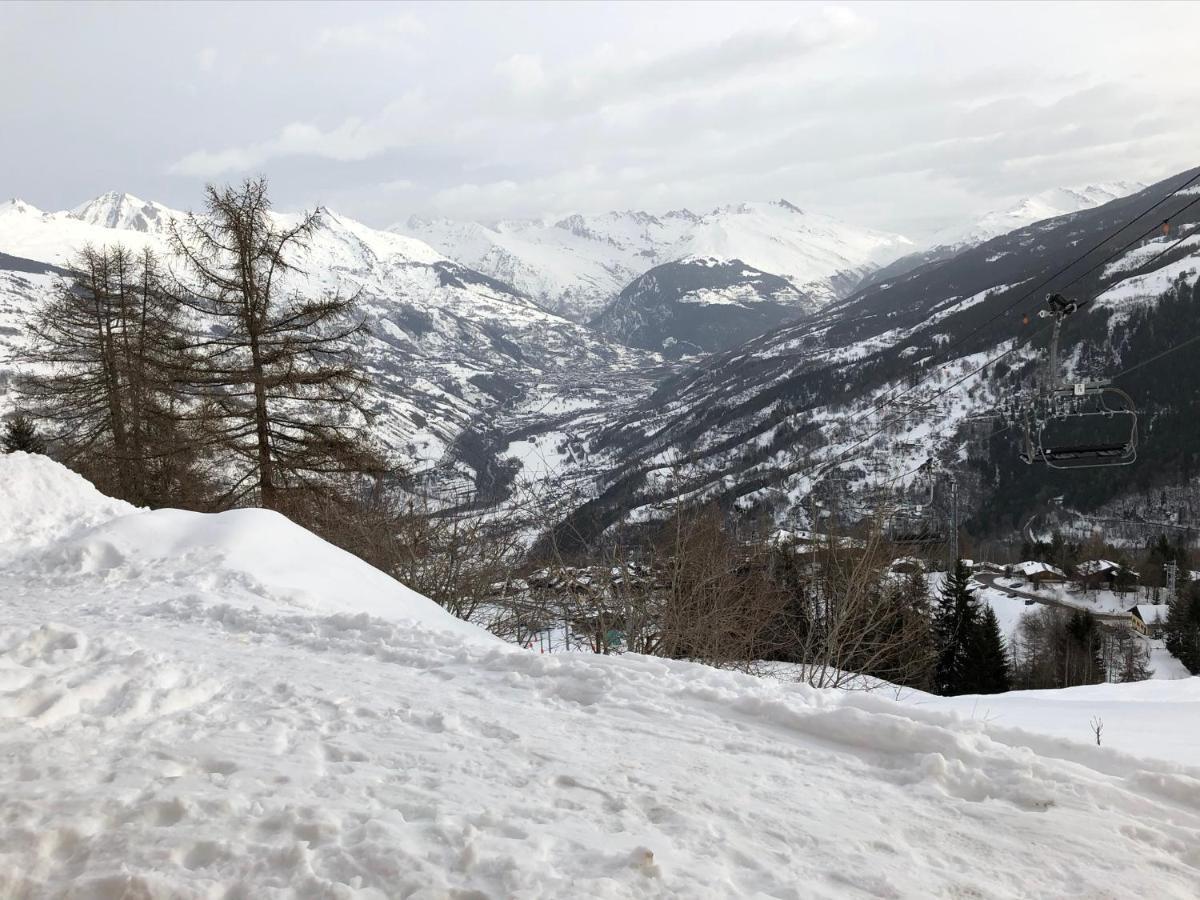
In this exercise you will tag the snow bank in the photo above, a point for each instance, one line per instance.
(55, 524)
(209, 706)
(41, 502)
(1146, 719)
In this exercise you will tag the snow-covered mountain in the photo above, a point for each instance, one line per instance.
(126, 213)
(578, 264)
(449, 348)
(226, 706)
(846, 404)
(700, 304)
(1045, 205)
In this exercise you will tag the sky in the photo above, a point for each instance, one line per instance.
(903, 117)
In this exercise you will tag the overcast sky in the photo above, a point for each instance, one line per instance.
(898, 116)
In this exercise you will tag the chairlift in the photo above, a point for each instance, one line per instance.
(1082, 425)
(921, 526)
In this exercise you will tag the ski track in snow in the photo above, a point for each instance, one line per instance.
(174, 731)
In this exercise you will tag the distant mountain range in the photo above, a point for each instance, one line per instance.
(1045, 205)
(578, 265)
(744, 345)
(832, 414)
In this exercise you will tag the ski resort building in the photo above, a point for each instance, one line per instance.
(1149, 618)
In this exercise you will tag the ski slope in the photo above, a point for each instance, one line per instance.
(225, 706)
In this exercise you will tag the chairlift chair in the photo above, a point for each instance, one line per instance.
(1081, 425)
(922, 528)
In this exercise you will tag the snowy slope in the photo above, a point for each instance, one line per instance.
(448, 347)
(576, 265)
(1045, 205)
(174, 723)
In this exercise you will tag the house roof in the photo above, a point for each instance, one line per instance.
(1031, 568)
(1150, 613)
(1096, 566)
(1102, 567)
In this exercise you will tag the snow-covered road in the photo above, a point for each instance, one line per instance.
(223, 706)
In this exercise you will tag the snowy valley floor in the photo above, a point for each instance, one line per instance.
(224, 706)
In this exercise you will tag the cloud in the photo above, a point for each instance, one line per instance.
(385, 34)
(206, 59)
(523, 73)
(606, 81)
(840, 112)
(352, 140)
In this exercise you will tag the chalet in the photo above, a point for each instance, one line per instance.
(1149, 618)
(1037, 573)
(1097, 574)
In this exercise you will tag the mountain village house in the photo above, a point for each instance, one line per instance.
(1039, 573)
(1103, 574)
(1149, 618)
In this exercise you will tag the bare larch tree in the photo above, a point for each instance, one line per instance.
(278, 367)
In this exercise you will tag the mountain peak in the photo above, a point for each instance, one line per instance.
(126, 212)
(17, 205)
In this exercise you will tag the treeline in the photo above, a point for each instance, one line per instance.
(732, 593)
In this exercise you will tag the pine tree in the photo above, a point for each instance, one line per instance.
(1183, 628)
(21, 434)
(954, 629)
(988, 663)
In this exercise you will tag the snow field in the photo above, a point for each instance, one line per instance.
(191, 709)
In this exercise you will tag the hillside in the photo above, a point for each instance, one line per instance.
(224, 705)
(753, 426)
(699, 305)
(578, 264)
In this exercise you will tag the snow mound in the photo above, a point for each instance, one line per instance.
(57, 525)
(42, 502)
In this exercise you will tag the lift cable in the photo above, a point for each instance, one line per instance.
(1046, 281)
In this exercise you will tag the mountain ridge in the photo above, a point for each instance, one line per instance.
(578, 264)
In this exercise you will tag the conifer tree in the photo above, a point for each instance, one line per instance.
(988, 664)
(105, 352)
(1183, 628)
(954, 629)
(21, 434)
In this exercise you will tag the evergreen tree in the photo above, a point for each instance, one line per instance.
(1183, 628)
(954, 629)
(988, 662)
(21, 434)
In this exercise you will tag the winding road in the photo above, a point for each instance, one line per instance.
(989, 579)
